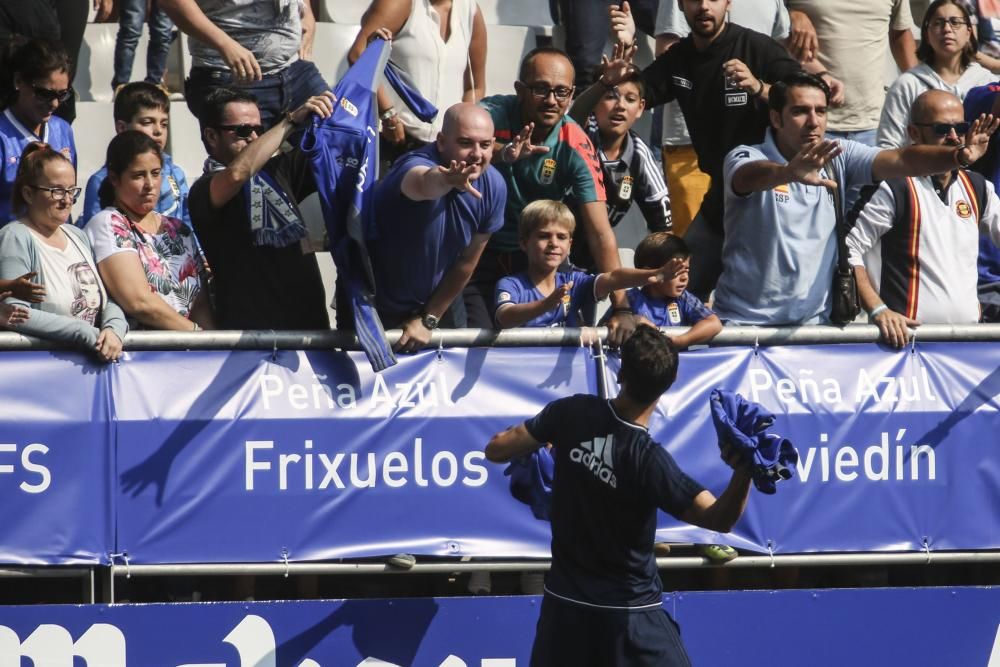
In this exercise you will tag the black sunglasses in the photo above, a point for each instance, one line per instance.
(49, 95)
(243, 131)
(944, 129)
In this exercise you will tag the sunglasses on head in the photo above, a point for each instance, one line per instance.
(944, 129)
(243, 131)
(49, 95)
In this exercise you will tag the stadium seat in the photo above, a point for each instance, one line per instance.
(506, 45)
(341, 11)
(93, 129)
(516, 12)
(96, 65)
(333, 41)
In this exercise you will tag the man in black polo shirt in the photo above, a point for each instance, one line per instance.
(720, 75)
(245, 212)
(603, 596)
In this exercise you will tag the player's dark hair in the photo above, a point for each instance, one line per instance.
(659, 248)
(522, 73)
(136, 96)
(649, 365)
(778, 97)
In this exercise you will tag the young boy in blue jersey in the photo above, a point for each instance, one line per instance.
(669, 304)
(144, 107)
(546, 295)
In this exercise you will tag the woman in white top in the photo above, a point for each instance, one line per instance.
(77, 309)
(150, 262)
(441, 45)
(948, 62)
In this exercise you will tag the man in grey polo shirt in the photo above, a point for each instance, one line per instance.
(780, 247)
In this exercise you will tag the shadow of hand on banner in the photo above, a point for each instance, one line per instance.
(562, 372)
(231, 376)
(982, 394)
(388, 630)
(475, 359)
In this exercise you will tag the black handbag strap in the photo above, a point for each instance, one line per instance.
(840, 227)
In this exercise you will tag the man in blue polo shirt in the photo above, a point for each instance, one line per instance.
(603, 596)
(781, 248)
(434, 213)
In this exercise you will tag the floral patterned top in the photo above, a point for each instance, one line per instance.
(173, 264)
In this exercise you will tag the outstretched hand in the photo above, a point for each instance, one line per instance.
(22, 288)
(11, 314)
(617, 68)
(672, 269)
(977, 139)
(805, 166)
(521, 146)
(622, 23)
(459, 176)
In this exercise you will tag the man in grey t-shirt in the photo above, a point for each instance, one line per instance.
(256, 45)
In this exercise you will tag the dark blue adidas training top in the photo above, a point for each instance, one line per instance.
(610, 478)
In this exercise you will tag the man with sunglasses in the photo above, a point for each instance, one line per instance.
(780, 218)
(543, 154)
(915, 242)
(245, 212)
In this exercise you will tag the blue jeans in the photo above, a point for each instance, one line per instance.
(866, 137)
(132, 14)
(276, 93)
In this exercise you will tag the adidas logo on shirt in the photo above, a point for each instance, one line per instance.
(597, 456)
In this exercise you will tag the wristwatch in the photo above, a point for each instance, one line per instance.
(429, 321)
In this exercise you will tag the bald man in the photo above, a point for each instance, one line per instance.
(435, 211)
(915, 243)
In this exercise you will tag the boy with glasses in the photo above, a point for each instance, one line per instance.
(145, 107)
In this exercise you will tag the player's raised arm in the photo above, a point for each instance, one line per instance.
(509, 444)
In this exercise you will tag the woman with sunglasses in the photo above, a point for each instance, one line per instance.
(149, 261)
(60, 254)
(37, 82)
(948, 62)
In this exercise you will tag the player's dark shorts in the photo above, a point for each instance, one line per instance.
(571, 634)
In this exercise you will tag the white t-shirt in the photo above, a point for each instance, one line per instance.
(71, 282)
(768, 17)
(436, 67)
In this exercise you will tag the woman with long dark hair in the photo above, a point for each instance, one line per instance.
(947, 56)
(40, 242)
(37, 75)
(149, 262)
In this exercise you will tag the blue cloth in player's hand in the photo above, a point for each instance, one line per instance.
(531, 481)
(742, 425)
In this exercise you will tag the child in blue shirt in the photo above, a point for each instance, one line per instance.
(544, 296)
(144, 107)
(668, 303)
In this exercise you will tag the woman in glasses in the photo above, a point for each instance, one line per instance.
(149, 261)
(36, 83)
(948, 62)
(40, 242)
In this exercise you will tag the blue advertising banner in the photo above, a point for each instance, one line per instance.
(897, 450)
(55, 460)
(309, 456)
(819, 628)
(252, 457)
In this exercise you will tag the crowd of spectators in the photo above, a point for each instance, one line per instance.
(502, 211)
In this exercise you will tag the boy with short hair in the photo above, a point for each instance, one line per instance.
(144, 107)
(544, 296)
(631, 172)
(668, 303)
